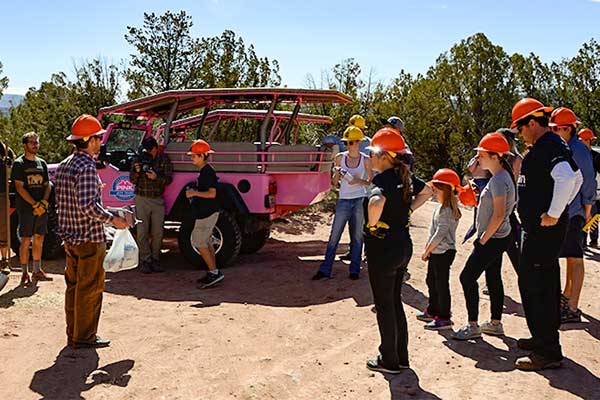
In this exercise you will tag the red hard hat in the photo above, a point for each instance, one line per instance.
(586, 134)
(525, 108)
(388, 139)
(563, 116)
(494, 143)
(199, 146)
(447, 177)
(85, 127)
(467, 196)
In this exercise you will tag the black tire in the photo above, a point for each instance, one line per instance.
(228, 249)
(255, 241)
(53, 247)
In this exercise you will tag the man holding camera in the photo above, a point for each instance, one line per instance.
(151, 172)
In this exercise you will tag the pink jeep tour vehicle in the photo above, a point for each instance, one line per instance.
(263, 172)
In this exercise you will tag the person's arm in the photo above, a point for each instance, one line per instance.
(20, 187)
(422, 193)
(583, 158)
(211, 193)
(164, 174)
(375, 208)
(369, 171)
(46, 183)
(441, 231)
(208, 178)
(87, 188)
(335, 179)
(566, 185)
(499, 204)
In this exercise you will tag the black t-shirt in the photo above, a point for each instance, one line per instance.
(34, 175)
(201, 207)
(396, 211)
(535, 184)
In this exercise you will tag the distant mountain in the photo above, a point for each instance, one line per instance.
(9, 100)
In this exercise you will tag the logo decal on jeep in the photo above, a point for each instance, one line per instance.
(122, 188)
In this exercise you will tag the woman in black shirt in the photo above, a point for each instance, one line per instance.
(388, 244)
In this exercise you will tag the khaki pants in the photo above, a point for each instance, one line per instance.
(151, 211)
(84, 276)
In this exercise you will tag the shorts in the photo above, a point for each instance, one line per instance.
(30, 224)
(203, 229)
(575, 239)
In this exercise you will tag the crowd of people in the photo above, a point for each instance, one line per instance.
(533, 206)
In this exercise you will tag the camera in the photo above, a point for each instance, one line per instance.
(144, 158)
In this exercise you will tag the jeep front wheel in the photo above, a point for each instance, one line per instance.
(226, 240)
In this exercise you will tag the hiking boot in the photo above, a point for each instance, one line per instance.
(425, 316)
(155, 266)
(569, 316)
(536, 362)
(40, 276)
(377, 365)
(146, 267)
(320, 275)
(353, 275)
(346, 257)
(526, 344)
(490, 328)
(439, 324)
(211, 279)
(467, 332)
(25, 280)
(97, 343)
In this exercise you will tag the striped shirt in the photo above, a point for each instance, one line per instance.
(79, 201)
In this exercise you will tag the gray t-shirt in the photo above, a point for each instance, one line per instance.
(442, 232)
(500, 185)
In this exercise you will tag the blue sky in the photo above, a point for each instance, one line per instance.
(309, 36)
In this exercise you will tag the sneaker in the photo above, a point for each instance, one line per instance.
(353, 275)
(569, 316)
(377, 365)
(25, 280)
(406, 277)
(467, 332)
(211, 279)
(155, 266)
(526, 344)
(486, 291)
(425, 316)
(439, 324)
(346, 257)
(490, 328)
(41, 276)
(320, 275)
(536, 362)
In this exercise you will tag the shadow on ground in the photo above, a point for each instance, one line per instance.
(8, 299)
(406, 385)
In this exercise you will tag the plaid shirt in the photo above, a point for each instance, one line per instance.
(153, 188)
(79, 200)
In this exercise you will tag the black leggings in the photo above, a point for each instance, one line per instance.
(438, 283)
(485, 258)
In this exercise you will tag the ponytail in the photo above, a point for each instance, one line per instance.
(403, 173)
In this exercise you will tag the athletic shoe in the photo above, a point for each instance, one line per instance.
(536, 362)
(211, 279)
(146, 267)
(467, 332)
(526, 344)
(155, 266)
(346, 257)
(25, 280)
(320, 275)
(377, 365)
(439, 324)
(406, 276)
(40, 276)
(569, 316)
(425, 316)
(492, 329)
(353, 275)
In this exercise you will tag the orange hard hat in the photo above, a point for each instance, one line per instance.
(494, 143)
(586, 134)
(527, 107)
(563, 116)
(85, 127)
(390, 140)
(467, 196)
(447, 177)
(199, 146)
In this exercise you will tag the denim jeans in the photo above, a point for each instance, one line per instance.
(346, 211)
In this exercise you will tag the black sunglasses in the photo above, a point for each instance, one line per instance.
(351, 142)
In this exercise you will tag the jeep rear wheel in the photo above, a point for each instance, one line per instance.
(226, 240)
(255, 241)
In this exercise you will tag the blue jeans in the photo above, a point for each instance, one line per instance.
(351, 211)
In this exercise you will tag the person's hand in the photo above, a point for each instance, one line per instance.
(151, 175)
(120, 223)
(137, 167)
(425, 256)
(588, 216)
(190, 193)
(548, 220)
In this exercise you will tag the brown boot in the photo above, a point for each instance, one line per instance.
(25, 279)
(40, 276)
(536, 362)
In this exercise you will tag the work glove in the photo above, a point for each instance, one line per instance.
(379, 230)
(40, 208)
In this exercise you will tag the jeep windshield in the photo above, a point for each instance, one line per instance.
(123, 138)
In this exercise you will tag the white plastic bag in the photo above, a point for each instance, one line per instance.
(123, 253)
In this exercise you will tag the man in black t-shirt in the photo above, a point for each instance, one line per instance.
(545, 186)
(30, 175)
(205, 210)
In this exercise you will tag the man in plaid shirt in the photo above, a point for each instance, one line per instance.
(80, 223)
(150, 174)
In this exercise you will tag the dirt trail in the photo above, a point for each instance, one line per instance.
(269, 332)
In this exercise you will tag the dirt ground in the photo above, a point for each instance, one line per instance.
(269, 332)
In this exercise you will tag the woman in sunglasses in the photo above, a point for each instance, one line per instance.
(388, 244)
(352, 172)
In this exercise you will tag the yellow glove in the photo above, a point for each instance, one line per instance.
(379, 230)
(592, 224)
(39, 208)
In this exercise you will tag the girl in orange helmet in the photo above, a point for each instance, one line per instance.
(441, 249)
(496, 202)
(388, 244)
